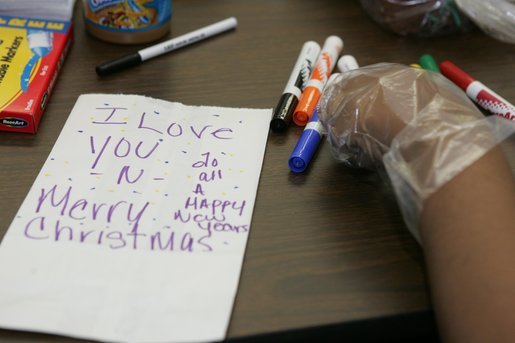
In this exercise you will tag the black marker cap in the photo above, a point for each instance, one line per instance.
(119, 64)
(283, 113)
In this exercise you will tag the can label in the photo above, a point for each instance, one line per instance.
(128, 15)
(96, 5)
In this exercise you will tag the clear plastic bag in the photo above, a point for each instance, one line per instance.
(420, 18)
(495, 17)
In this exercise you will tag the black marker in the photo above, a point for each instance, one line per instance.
(167, 46)
(299, 77)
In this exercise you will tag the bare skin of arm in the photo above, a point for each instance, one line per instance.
(468, 235)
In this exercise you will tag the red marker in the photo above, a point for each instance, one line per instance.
(478, 92)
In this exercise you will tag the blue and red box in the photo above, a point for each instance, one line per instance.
(32, 52)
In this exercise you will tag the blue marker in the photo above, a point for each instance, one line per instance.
(309, 139)
(307, 145)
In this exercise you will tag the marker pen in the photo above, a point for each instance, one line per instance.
(298, 78)
(332, 48)
(347, 63)
(166, 46)
(307, 145)
(310, 138)
(428, 63)
(478, 92)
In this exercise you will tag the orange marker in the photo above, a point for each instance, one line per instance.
(332, 48)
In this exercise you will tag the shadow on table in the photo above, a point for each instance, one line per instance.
(417, 327)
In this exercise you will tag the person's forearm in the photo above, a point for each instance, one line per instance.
(468, 235)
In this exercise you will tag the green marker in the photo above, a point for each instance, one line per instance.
(428, 62)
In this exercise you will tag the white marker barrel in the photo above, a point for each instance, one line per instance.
(347, 63)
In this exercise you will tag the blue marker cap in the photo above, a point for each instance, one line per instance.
(307, 145)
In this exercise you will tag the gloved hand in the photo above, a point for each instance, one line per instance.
(415, 124)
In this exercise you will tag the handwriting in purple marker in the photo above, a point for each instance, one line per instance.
(132, 194)
(207, 213)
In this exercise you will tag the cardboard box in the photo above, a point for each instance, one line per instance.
(31, 54)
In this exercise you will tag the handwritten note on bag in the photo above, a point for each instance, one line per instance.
(136, 225)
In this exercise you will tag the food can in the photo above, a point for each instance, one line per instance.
(127, 21)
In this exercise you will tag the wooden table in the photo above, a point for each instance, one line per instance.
(327, 247)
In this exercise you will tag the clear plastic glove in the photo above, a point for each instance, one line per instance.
(415, 124)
